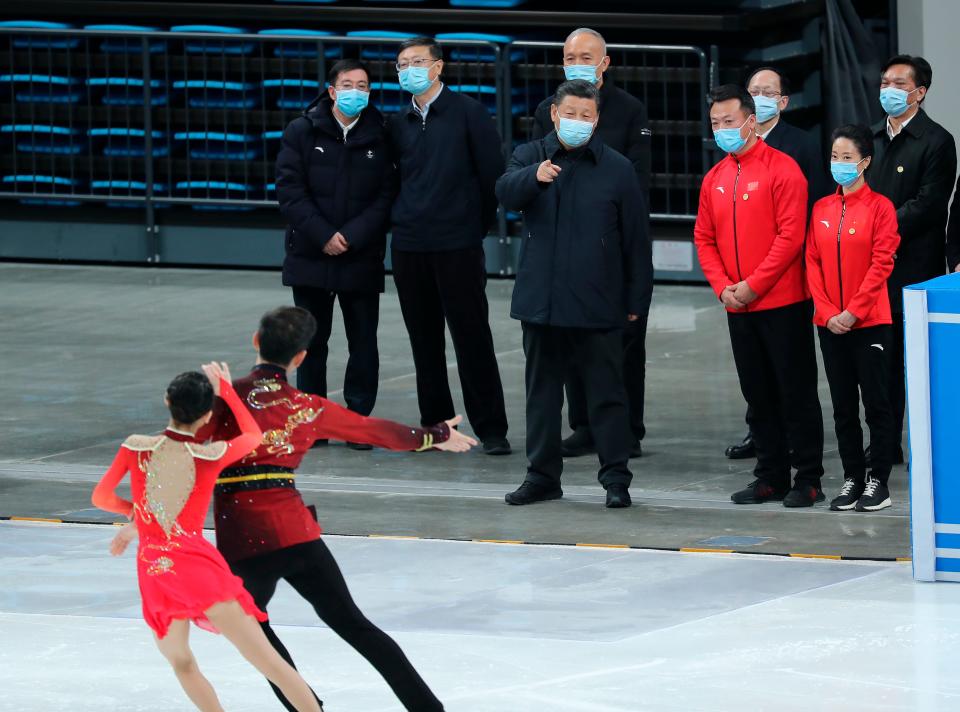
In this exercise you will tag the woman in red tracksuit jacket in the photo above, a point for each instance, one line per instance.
(851, 240)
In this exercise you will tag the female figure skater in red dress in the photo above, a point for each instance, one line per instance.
(182, 576)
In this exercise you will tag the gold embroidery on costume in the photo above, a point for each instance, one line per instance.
(278, 440)
(268, 385)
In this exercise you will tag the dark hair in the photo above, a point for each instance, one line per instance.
(784, 80)
(341, 66)
(579, 88)
(284, 332)
(190, 397)
(860, 135)
(922, 71)
(431, 44)
(726, 92)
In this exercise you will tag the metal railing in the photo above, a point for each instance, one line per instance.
(162, 120)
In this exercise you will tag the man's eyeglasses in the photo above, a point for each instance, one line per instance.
(415, 62)
(769, 93)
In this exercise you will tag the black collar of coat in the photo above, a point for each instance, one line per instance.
(368, 129)
(916, 127)
(593, 149)
(440, 102)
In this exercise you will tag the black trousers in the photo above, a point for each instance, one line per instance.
(598, 358)
(438, 287)
(777, 366)
(361, 314)
(858, 366)
(313, 572)
(634, 381)
(898, 381)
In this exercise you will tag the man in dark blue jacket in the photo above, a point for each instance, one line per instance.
(585, 272)
(335, 183)
(449, 157)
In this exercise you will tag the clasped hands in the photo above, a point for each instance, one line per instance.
(737, 296)
(336, 245)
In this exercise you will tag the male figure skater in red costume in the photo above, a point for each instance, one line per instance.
(264, 529)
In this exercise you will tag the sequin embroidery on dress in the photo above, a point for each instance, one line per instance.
(169, 477)
(277, 441)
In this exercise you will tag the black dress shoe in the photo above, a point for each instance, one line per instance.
(497, 446)
(529, 493)
(636, 450)
(742, 450)
(360, 446)
(580, 443)
(618, 496)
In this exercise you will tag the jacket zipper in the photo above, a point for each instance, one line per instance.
(843, 212)
(736, 242)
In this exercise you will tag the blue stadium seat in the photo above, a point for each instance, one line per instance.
(477, 53)
(124, 142)
(388, 97)
(42, 41)
(308, 2)
(127, 188)
(198, 46)
(293, 93)
(44, 88)
(219, 145)
(42, 184)
(128, 91)
(387, 52)
(487, 95)
(127, 45)
(307, 50)
(219, 190)
(45, 138)
(270, 190)
(272, 135)
(217, 94)
(487, 3)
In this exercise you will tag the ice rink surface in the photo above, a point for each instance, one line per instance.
(506, 628)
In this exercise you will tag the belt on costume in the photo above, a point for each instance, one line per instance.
(244, 479)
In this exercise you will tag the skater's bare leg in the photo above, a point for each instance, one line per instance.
(175, 647)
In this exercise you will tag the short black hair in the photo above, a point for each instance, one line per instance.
(579, 88)
(860, 135)
(726, 92)
(784, 80)
(284, 332)
(345, 65)
(922, 71)
(190, 397)
(436, 52)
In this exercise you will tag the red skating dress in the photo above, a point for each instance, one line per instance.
(172, 476)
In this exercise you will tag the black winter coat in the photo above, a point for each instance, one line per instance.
(448, 166)
(623, 126)
(916, 171)
(585, 261)
(327, 185)
(805, 150)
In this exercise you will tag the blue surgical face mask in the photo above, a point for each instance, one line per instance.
(894, 101)
(730, 140)
(352, 101)
(574, 133)
(767, 108)
(415, 80)
(587, 72)
(845, 174)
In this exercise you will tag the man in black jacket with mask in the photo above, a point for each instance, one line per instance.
(623, 126)
(914, 165)
(585, 272)
(335, 183)
(449, 156)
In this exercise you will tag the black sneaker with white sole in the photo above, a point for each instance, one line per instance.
(847, 498)
(875, 496)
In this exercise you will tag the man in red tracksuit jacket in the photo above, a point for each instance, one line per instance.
(264, 529)
(749, 236)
